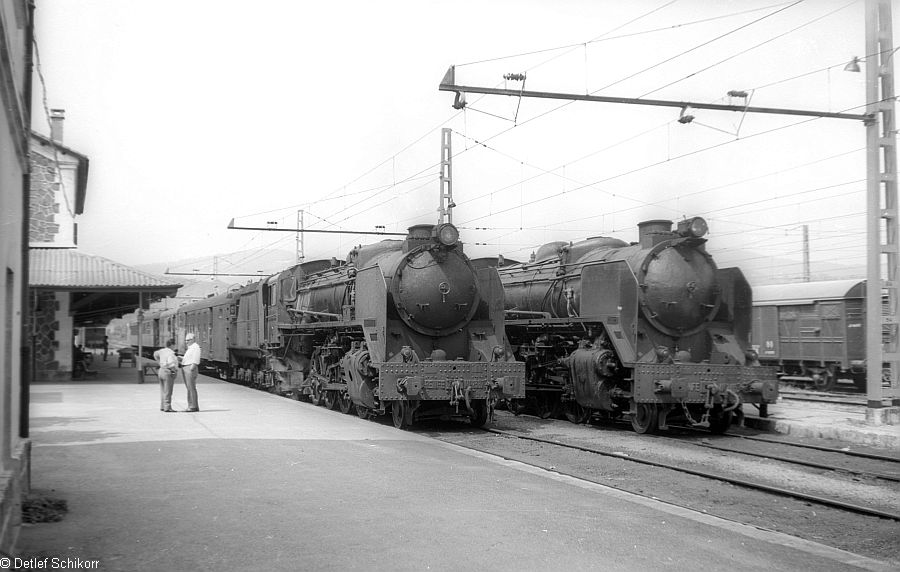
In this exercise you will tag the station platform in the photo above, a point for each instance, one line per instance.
(256, 481)
(846, 425)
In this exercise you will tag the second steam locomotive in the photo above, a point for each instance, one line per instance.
(651, 330)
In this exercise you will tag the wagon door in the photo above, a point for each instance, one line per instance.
(809, 328)
(765, 332)
(856, 330)
(833, 336)
(270, 307)
(218, 333)
(789, 332)
(247, 324)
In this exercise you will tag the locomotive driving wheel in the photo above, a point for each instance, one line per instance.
(316, 393)
(344, 402)
(645, 419)
(547, 406)
(330, 399)
(402, 414)
(576, 413)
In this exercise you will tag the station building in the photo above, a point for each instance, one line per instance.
(16, 32)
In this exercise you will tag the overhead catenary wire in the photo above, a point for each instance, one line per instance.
(789, 5)
(518, 182)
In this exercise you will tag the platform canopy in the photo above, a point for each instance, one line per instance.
(101, 288)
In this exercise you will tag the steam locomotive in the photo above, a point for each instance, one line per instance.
(650, 330)
(407, 327)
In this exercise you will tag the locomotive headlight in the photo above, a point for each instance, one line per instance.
(695, 227)
(447, 234)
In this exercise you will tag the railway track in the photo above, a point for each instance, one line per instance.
(743, 482)
(850, 465)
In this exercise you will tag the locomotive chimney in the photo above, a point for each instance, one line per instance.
(57, 117)
(651, 232)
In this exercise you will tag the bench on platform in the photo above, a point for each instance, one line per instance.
(127, 355)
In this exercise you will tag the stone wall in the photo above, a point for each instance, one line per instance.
(44, 206)
(52, 331)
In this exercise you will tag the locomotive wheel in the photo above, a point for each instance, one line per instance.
(481, 414)
(719, 422)
(330, 399)
(576, 413)
(362, 411)
(343, 399)
(646, 419)
(826, 380)
(547, 407)
(400, 413)
(316, 395)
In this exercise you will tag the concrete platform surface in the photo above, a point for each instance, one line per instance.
(255, 481)
(843, 424)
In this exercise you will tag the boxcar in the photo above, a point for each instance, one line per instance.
(814, 331)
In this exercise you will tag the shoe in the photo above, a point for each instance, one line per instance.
(169, 410)
(191, 410)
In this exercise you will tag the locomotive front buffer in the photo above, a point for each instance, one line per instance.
(720, 388)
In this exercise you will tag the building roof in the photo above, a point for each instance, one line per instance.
(99, 288)
(808, 292)
(82, 174)
(69, 269)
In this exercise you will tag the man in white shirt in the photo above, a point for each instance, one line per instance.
(168, 368)
(191, 368)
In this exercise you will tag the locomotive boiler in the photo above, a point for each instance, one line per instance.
(651, 330)
(406, 326)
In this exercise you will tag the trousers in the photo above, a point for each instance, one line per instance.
(166, 384)
(190, 382)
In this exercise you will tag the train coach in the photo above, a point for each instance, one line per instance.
(652, 331)
(813, 332)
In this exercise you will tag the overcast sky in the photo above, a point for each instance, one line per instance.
(196, 112)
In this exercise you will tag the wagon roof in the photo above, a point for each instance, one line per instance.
(808, 292)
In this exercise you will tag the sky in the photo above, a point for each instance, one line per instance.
(194, 113)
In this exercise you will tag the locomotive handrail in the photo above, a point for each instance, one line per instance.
(311, 313)
(534, 313)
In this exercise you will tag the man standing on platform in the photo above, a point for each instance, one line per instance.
(168, 369)
(190, 364)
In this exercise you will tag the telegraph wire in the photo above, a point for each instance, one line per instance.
(623, 36)
(751, 48)
(53, 144)
(701, 45)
